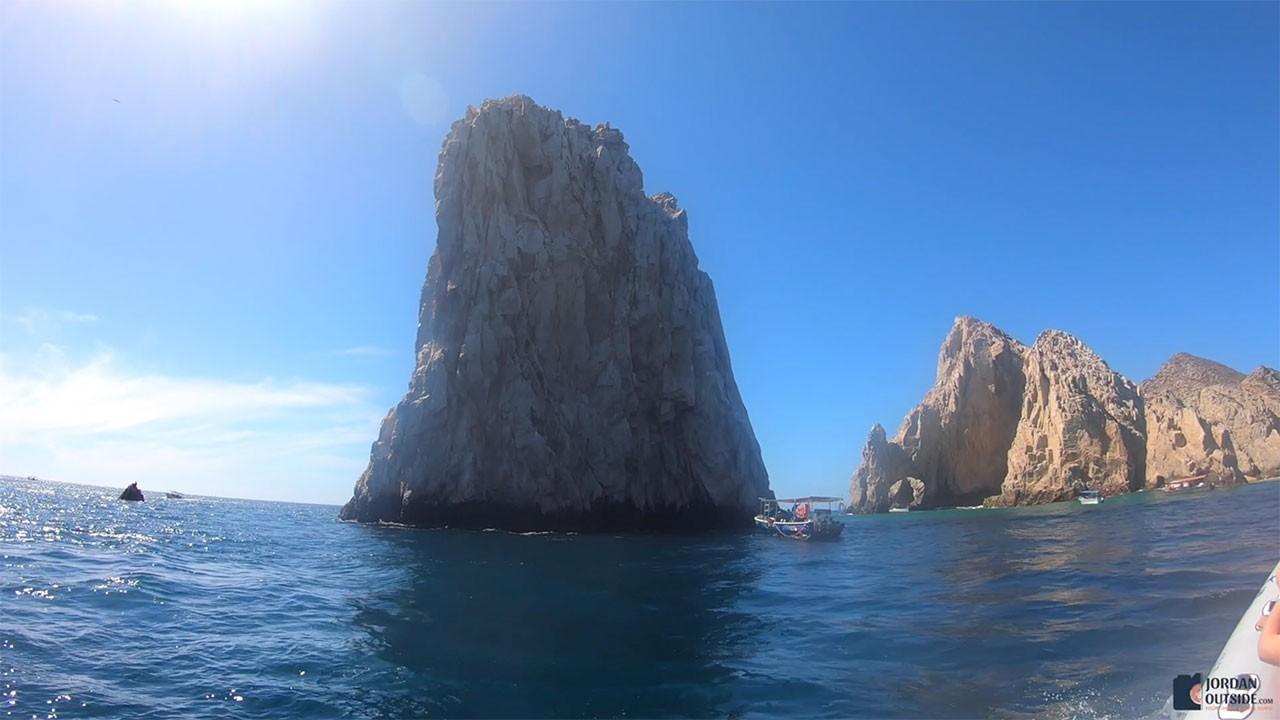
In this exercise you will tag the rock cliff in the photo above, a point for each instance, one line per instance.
(1007, 424)
(1205, 418)
(571, 372)
(1081, 427)
(955, 441)
(884, 464)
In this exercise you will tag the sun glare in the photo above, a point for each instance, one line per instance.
(233, 11)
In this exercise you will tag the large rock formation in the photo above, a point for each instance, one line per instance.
(571, 371)
(884, 464)
(955, 441)
(1007, 424)
(1081, 427)
(1205, 418)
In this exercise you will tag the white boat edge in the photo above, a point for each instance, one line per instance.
(1240, 656)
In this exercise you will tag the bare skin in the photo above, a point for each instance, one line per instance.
(1269, 640)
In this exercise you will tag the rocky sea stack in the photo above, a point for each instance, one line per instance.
(132, 493)
(1010, 424)
(571, 368)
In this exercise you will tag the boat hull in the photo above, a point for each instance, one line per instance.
(829, 529)
(1239, 657)
(1190, 490)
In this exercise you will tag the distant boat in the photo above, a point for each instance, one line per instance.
(899, 509)
(175, 495)
(804, 521)
(1090, 497)
(1195, 483)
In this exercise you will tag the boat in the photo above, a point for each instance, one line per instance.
(1195, 483)
(1239, 683)
(1090, 497)
(899, 509)
(805, 520)
(175, 495)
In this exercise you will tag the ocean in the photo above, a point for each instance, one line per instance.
(213, 608)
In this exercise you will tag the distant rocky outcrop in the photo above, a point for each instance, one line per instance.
(1204, 418)
(1007, 424)
(884, 463)
(956, 440)
(572, 372)
(1081, 427)
(132, 493)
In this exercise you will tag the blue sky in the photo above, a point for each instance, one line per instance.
(212, 283)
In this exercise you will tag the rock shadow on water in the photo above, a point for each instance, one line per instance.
(503, 625)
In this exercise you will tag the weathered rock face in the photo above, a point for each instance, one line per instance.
(1007, 424)
(1082, 426)
(907, 493)
(957, 436)
(955, 441)
(571, 372)
(883, 465)
(1205, 418)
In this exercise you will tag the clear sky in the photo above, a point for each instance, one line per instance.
(215, 217)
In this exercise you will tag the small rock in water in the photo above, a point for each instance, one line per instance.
(132, 493)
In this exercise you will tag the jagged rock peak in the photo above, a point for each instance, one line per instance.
(883, 465)
(1184, 371)
(1006, 423)
(953, 442)
(965, 332)
(571, 371)
(877, 436)
(1082, 426)
(1264, 378)
(1068, 346)
(1204, 418)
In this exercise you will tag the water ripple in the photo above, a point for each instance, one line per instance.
(210, 608)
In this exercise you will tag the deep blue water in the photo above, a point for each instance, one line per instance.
(225, 608)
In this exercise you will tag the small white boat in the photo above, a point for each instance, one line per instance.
(1196, 483)
(899, 509)
(1090, 497)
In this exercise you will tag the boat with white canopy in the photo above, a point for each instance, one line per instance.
(807, 518)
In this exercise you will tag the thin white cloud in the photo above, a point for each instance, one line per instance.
(99, 423)
(363, 351)
(44, 321)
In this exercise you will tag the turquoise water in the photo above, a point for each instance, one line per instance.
(225, 608)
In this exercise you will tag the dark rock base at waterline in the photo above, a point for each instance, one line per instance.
(601, 518)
